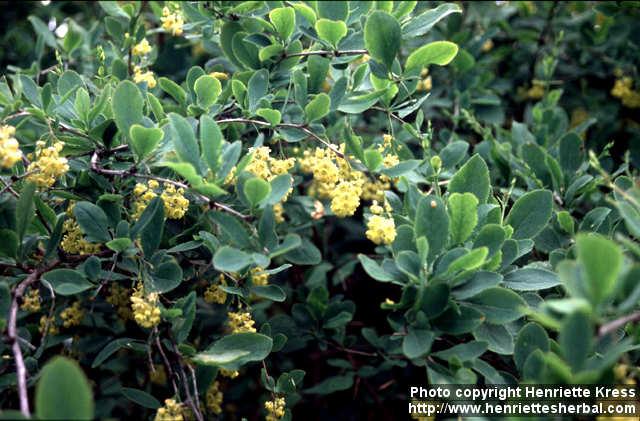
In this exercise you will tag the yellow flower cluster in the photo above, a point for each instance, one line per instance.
(333, 178)
(175, 204)
(381, 230)
(266, 167)
(278, 213)
(536, 91)
(219, 75)
(52, 330)
(259, 276)
(424, 84)
(171, 411)
(215, 294)
(31, 301)
(145, 308)
(623, 89)
(48, 165)
(241, 322)
(158, 375)
(72, 316)
(142, 48)
(144, 76)
(487, 46)
(73, 241)
(119, 298)
(9, 147)
(172, 22)
(231, 374)
(214, 398)
(275, 409)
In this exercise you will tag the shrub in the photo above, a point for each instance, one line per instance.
(259, 208)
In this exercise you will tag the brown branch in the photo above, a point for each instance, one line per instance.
(328, 53)
(12, 332)
(612, 326)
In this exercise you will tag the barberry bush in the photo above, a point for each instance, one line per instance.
(266, 209)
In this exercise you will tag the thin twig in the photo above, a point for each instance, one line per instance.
(328, 53)
(613, 325)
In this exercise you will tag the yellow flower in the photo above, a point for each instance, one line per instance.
(259, 276)
(72, 316)
(171, 411)
(375, 208)
(214, 398)
(232, 374)
(537, 90)
(240, 322)
(73, 241)
(219, 75)
(142, 48)
(10, 152)
(52, 328)
(175, 204)
(31, 301)
(145, 308)
(144, 77)
(487, 46)
(158, 375)
(346, 199)
(215, 294)
(275, 409)
(387, 140)
(381, 230)
(48, 166)
(278, 213)
(119, 298)
(622, 89)
(172, 22)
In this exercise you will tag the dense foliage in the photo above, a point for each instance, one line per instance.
(266, 209)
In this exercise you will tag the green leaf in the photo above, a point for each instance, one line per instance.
(472, 177)
(269, 51)
(151, 234)
(498, 338)
(373, 159)
(207, 89)
(93, 221)
(25, 210)
(382, 37)
(245, 52)
(566, 222)
(437, 52)
(233, 351)
(530, 338)
(463, 352)
(530, 279)
(491, 236)
(184, 140)
(63, 392)
(272, 116)
(119, 244)
(334, 383)
(211, 140)
(530, 213)
(67, 281)
(146, 217)
(166, 277)
(283, 20)
(373, 269)
(331, 31)
(417, 342)
(173, 89)
(280, 187)
(432, 221)
(601, 261)
(110, 349)
(499, 305)
(317, 108)
(256, 190)
(270, 292)
(469, 261)
(144, 140)
(463, 211)
(433, 299)
(257, 87)
(334, 10)
(234, 230)
(141, 397)
(126, 106)
(230, 259)
(574, 339)
(421, 24)
(308, 13)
